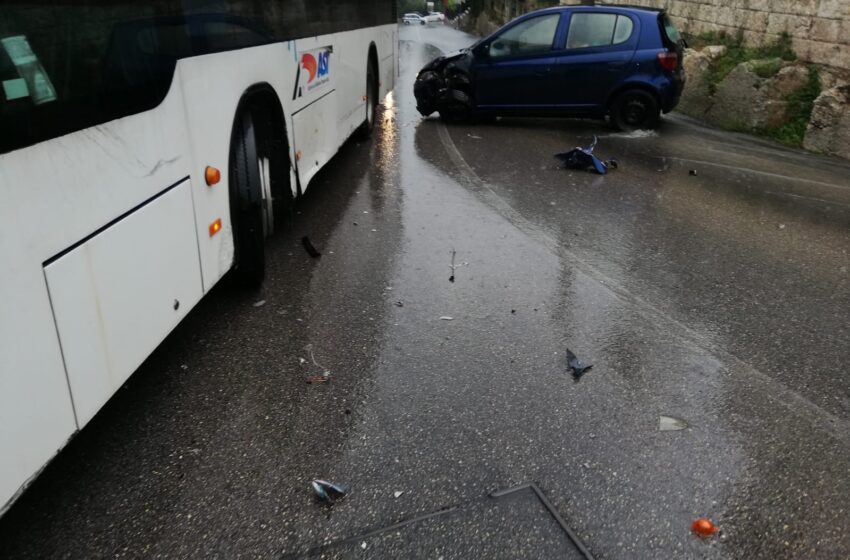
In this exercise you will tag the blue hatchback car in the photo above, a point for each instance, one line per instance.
(583, 61)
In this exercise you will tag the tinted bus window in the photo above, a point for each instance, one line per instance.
(65, 66)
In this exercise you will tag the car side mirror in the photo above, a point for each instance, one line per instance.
(482, 51)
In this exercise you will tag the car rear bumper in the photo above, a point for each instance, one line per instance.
(673, 93)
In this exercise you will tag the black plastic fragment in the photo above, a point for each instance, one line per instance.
(308, 246)
(578, 367)
(692, 172)
(327, 491)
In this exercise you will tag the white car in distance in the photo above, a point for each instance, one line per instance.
(413, 19)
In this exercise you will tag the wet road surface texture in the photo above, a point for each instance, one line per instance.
(719, 299)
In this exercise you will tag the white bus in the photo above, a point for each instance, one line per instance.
(146, 149)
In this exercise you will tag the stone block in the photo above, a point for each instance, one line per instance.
(789, 79)
(825, 30)
(833, 9)
(740, 100)
(829, 126)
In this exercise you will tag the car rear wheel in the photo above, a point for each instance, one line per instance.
(635, 109)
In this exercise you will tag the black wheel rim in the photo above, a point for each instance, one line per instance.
(634, 112)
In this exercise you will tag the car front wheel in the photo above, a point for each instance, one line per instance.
(635, 109)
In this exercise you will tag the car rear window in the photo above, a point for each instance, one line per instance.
(670, 29)
(598, 30)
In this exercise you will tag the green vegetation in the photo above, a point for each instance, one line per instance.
(772, 55)
(767, 60)
(800, 104)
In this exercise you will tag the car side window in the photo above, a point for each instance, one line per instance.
(598, 30)
(532, 36)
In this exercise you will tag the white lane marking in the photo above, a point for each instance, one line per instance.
(837, 427)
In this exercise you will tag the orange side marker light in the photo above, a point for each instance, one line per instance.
(212, 175)
(215, 227)
(704, 527)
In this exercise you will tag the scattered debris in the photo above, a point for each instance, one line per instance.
(184, 367)
(260, 303)
(309, 349)
(397, 494)
(670, 424)
(446, 318)
(399, 304)
(312, 251)
(513, 310)
(781, 226)
(302, 361)
(578, 367)
(703, 527)
(692, 172)
(317, 379)
(327, 491)
(583, 158)
(363, 545)
(474, 137)
(454, 267)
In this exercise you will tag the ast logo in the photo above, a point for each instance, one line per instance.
(314, 71)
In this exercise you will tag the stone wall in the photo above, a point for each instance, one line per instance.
(820, 29)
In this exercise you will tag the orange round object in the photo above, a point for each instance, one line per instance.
(703, 527)
(212, 175)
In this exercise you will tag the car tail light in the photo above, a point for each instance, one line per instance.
(668, 60)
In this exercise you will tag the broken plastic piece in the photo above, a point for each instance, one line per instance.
(327, 491)
(703, 527)
(398, 493)
(446, 318)
(578, 367)
(399, 304)
(317, 379)
(312, 251)
(583, 158)
(692, 172)
(670, 424)
(260, 303)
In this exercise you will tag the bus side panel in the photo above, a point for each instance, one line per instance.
(36, 416)
(315, 134)
(55, 194)
(119, 294)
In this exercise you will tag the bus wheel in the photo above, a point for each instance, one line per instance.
(246, 204)
(365, 130)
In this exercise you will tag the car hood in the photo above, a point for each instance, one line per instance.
(458, 58)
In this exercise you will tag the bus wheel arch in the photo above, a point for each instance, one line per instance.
(259, 179)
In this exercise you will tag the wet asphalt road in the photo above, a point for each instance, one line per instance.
(720, 299)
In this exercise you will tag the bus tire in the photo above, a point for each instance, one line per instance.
(365, 130)
(246, 208)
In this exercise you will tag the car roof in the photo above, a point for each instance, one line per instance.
(595, 7)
